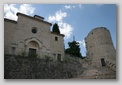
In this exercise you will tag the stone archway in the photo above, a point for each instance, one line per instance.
(33, 45)
(33, 39)
(33, 48)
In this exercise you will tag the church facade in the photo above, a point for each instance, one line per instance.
(32, 35)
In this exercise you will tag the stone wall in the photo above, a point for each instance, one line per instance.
(9, 31)
(33, 68)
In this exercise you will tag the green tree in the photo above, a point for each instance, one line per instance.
(56, 28)
(73, 49)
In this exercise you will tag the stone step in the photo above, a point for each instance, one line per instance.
(97, 73)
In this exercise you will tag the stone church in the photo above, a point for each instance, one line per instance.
(32, 35)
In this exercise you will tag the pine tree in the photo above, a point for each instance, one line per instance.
(56, 28)
(73, 49)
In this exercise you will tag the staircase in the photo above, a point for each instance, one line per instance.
(97, 73)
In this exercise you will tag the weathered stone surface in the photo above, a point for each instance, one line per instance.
(97, 73)
(33, 68)
(19, 38)
(99, 46)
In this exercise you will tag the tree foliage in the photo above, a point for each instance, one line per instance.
(73, 49)
(56, 28)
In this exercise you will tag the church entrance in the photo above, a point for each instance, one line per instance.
(103, 62)
(32, 52)
(33, 49)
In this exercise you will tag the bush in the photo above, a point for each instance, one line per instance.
(48, 58)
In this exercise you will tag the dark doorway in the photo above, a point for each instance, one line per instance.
(13, 51)
(59, 57)
(32, 52)
(103, 62)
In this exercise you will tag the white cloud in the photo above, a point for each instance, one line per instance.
(65, 28)
(73, 6)
(26, 9)
(59, 15)
(11, 10)
(82, 43)
(69, 6)
(79, 42)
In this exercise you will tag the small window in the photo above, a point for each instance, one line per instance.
(92, 54)
(13, 50)
(54, 55)
(56, 38)
(59, 57)
(92, 32)
(34, 30)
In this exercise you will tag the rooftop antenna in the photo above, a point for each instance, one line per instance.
(73, 38)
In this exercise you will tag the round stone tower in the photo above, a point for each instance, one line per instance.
(99, 47)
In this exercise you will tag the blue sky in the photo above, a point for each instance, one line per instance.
(73, 19)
